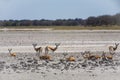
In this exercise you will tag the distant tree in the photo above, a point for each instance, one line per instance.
(117, 19)
(91, 21)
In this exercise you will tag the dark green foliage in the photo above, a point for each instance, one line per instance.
(90, 21)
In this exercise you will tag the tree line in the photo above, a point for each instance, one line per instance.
(90, 21)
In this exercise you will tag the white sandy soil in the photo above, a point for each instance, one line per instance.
(27, 67)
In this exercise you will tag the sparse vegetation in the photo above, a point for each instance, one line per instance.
(65, 27)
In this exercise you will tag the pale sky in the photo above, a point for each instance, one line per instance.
(56, 9)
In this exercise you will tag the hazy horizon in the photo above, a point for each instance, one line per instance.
(52, 9)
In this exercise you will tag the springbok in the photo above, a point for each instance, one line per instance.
(38, 49)
(53, 49)
(88, 56)
(107, 57)
(112, 49)
(71, 58)
(45, 57)
(11, 54)
(91, 59)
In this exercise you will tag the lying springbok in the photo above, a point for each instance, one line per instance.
(112, 49)
(45, 57)
(107, 56)
(11, 54)
(38, 49)
(88, 56)
(53, 49)
(71, 58)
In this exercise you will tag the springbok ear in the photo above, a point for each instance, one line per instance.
(65, 54)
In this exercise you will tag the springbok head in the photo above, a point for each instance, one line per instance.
(116, 44)
(85, 53)
(65, 54)
(57, 44)
(103, 54)
(34, 45)
(10, 49)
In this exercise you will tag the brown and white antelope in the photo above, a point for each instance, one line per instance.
(45, 57)
(88, 56)
(11, 54)
(37, 49)
(50, 48)
(112, 49)
(107, 56)
(71, 58)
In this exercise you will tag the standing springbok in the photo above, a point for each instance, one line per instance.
(38, 49)
(112, 49)
(11, 54)
(53, 49)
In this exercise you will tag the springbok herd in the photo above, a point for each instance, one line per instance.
(87, 55)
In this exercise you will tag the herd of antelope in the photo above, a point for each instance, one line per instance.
(104, 56)
(86, 55)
